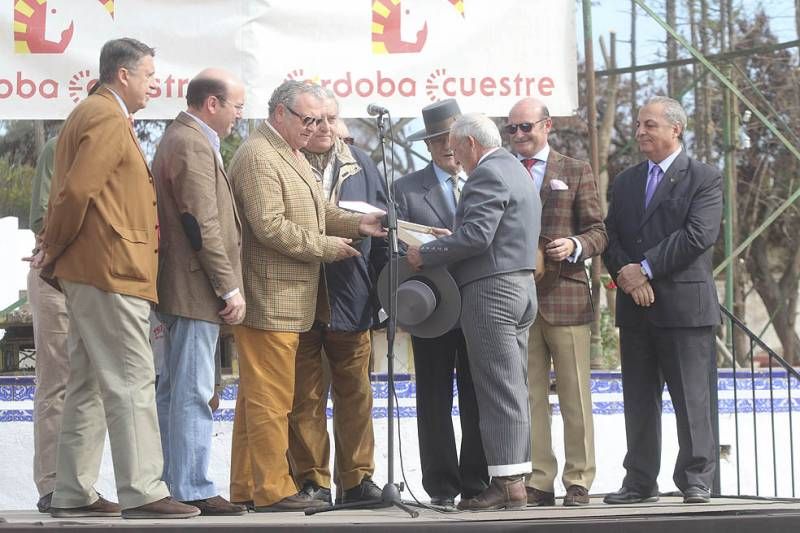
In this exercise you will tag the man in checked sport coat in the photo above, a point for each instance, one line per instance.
(491, 255)
(572, 226)
(662, 223)
(199, 280)
(287, 236)
(427, 197)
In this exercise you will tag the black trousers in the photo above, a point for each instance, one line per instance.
(681, 357)
(445, 472)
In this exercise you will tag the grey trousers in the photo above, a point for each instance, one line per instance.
(496, 313)
(111, 385)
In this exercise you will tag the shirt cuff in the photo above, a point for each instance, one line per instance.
(578, 250)
(230, 294)
(646, 267)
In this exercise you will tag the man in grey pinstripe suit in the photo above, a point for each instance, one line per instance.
(491, 254)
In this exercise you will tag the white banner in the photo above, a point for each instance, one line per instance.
(403, 54)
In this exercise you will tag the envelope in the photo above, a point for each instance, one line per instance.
(558, 185)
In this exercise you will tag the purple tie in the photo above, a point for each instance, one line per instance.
(653, 177)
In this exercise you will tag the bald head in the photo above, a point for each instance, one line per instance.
(532, 115)
(216, 97)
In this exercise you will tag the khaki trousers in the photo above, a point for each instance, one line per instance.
(259, 463)
(111, 385)
(568, 347)
(50, 326)
(348, 355)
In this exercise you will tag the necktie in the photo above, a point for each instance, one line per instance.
(653, 178)
(454, 184)
(529, 162)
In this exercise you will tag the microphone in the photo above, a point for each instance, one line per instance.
(375, 110)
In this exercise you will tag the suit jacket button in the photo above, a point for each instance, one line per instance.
(638, 241)
(156, 250)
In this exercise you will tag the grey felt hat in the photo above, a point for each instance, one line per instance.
(438, 117)
(428, 302)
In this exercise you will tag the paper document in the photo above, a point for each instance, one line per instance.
(360, 207)
(414, 234)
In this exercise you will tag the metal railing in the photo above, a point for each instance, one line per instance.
(760, 404)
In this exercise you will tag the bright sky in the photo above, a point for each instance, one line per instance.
(614, 15)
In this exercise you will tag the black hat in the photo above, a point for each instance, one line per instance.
(438, 118)
(428, 301)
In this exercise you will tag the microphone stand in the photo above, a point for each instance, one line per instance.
(390, 496)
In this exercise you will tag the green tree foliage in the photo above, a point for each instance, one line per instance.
(15, 190)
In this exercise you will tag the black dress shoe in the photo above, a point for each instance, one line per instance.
(444, 502)
(316, 492)
(629, 495)
(365, 491)
(43, 505)
(696, 494)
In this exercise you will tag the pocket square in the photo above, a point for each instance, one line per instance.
(558, 185)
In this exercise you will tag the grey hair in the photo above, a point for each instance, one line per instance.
(479, 127)
(330, 95)
(121, 53)
(288, 91)
(673, 111)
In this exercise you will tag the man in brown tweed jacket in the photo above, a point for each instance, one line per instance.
(572, 231)
(286, 238)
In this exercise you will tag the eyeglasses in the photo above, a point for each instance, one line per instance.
(526, 127)
(348, 140)
(237, 107)
(307, 120)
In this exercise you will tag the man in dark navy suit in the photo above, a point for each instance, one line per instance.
(663, 220)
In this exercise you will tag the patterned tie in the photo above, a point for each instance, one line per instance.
(454, 185)
(653, 178)
(529, 162)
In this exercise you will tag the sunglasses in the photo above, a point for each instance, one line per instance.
(307, 121)
(526, 127)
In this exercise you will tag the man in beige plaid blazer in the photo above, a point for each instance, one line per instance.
(572, 227)
(286, 238)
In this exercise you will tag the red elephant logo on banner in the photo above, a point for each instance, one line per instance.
(30, 25)
(387, 23)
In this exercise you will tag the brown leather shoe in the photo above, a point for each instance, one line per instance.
(296, 502)
(539, 498)
(507, 492)
(218, 506)
(247, 503)
(576, 496)
(101, 507)
(163, 508)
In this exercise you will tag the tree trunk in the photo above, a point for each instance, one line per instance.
(777, 294)
(672, 51)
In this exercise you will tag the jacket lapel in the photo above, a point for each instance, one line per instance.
(554, 169)
(434, 195)
(303, 168)
(675, 173)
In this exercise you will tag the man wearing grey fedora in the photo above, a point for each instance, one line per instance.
(429, 197)
(491, 255)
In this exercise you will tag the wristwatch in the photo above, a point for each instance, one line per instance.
(643, 270)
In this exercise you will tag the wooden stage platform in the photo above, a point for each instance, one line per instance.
(729, 515)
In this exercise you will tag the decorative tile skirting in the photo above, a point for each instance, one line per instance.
(606, 391)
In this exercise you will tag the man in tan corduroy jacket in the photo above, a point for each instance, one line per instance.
(287, 235)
